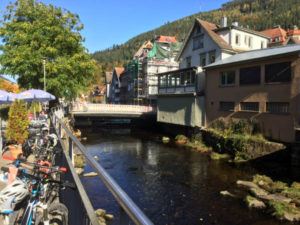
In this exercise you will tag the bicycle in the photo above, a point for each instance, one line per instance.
(40, 208)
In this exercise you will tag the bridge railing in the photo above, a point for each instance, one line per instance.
(127, 204)
(84, 107)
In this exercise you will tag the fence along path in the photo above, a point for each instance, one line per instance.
(131, 209)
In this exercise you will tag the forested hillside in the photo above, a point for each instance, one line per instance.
(257, 14)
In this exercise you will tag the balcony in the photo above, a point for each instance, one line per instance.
(182, 81)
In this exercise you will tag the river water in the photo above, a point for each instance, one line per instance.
(171, 185)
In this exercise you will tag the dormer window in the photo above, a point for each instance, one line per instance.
(198, 42)
(277, 39)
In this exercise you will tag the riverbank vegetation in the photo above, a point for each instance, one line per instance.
(240, 139)
(280, 199)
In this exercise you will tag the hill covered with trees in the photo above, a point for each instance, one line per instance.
(257, 14)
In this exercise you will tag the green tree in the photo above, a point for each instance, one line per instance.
(31, 30)
(18, 122)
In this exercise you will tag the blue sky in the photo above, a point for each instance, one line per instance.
(108, 22)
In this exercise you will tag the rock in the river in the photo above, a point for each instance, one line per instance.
(254, 202)
(247, 184)
(100, 212)
(258, 192)
(276, 197)
(91, 174)
(165, 139)
(227, 193)
(109, 217)
(79, 171)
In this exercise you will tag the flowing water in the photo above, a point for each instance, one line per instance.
(171, 185)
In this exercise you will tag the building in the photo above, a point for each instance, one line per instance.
(127, 93)
(279, 36)
(108, 79)
(115, 86)
(160, 59)
(261, 85)
(181, 93)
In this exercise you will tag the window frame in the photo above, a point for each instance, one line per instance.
(248, 110)
(268, 77)
(226, 74)
(203, 56)
(210, 54)
(250, 67)
(279, 104)
(226, 108)
(198, 42)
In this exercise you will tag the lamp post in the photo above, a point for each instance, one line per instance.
(44, 66)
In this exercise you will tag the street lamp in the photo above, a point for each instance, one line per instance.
(44, 66)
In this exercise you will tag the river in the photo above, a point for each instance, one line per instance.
(171, 185)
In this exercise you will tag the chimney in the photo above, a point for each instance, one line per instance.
(223, 21)
(236, 24)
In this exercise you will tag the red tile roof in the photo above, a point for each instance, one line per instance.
(166, 39)
(276, 32)
(119, 70)
(293, 32)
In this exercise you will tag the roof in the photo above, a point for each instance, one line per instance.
(275, 32)
(167, 39)
(119, 70)
(210, 29)
(244, 30)
(256, 55)
(108, 77)
(293, 32)
(141, 53)
(292, 40)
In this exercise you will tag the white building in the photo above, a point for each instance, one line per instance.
(181, 93)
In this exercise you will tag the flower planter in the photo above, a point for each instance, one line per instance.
(15, 150)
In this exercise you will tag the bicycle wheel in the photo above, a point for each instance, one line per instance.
(58, 214)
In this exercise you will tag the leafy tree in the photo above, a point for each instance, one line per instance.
(31, 30)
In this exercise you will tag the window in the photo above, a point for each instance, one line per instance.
(228, 78)
(188, 77)
(262, 45)
(227, 106)
(193, 78)
(177, 79)
(250, 106)
(237, 39)
(188, 61)
(172, 80)
(182, 79)
(163, 80)
(212, 56)
(198, 42)
(276, 39)
(278, 72)
(250, 42)
(250, 75)
(203, 59)
(277, 107)
(246, 40)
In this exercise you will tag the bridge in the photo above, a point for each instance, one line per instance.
(110, 111)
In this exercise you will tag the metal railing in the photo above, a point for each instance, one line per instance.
(127, 204)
